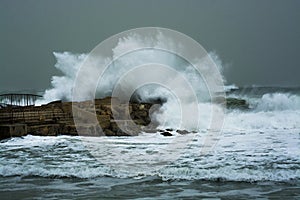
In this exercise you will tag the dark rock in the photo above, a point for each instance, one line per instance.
(69, 130)
(4, 132)
(109, 132)
(235, 103)
(169, 129)
(150, 130)
(114, 127)
(182, 132)
(44, 130)
(166, 133)
(104, 121)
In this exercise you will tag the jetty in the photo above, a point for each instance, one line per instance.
(20, 117)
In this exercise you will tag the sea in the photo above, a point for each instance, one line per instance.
(256, 156)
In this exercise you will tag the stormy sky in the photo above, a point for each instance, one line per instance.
(258, 40)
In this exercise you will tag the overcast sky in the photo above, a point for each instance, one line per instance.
(259, 40)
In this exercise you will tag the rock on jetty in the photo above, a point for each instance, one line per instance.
(57, 118)
(235, 103)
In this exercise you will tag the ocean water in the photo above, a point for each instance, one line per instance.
(256, 156)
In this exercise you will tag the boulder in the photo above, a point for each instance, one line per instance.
(235, 103)
(104, 121)
(109, 132)
(169, 129)
(44, 130)
(166, 133)
(182, 132)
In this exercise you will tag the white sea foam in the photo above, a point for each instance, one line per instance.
(272, 111)
(271, 156)
(259, 144)
(278, 102)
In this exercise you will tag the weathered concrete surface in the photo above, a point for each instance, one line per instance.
(44, 129)
(57, 118)
(12, 130)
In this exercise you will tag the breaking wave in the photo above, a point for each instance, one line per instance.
(231, 161)
(278, 102)
(170, 114)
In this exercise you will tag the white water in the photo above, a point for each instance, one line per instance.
(170, 114)
(260, 144)
(251, 156)
(278, 102)
(272, 111)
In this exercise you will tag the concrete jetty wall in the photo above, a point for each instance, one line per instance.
(57, 118)
(12, 130)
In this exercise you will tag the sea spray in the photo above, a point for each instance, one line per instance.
(68, 63)
(170, 112)
(268, 111)
(278, 102)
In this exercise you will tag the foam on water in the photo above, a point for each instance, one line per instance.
(252, 156)
(278, 102)
(259, 144)
(271, 111)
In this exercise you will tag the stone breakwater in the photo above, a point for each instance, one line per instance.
(57, 118)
